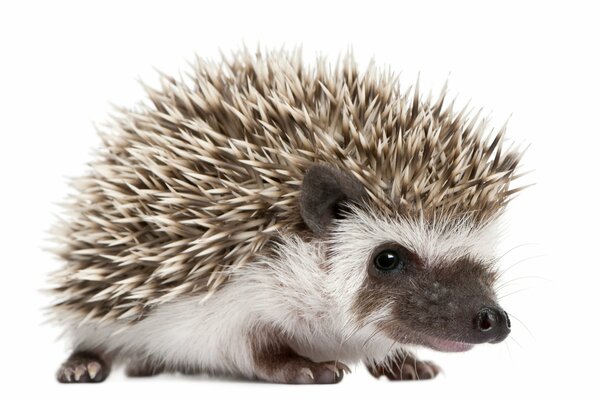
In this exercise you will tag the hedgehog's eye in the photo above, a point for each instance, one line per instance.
(388, 260)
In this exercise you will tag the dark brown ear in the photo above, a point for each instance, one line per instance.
(323, 189)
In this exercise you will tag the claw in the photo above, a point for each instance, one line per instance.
(333, 368)
(67, 374)
(344, 367)
(308, 372)
(79, 371)
(337, 368)
(93, 368)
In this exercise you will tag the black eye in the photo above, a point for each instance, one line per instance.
(388, 260)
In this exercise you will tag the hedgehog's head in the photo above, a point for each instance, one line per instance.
(418, 280)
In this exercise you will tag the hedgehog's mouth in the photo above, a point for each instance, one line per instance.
(446, 345)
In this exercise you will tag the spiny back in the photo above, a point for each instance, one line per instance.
(199, 180)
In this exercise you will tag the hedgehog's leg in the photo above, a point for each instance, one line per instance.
(83, 367)
(275, 361)
(143, 367)
(404, 367)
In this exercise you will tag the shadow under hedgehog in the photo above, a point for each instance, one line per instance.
(268, 220)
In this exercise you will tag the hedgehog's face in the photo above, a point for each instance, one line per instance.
(417, 282)
(420, 283)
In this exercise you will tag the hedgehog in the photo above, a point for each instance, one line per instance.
(270, 220)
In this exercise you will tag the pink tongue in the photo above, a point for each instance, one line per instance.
(449, 345)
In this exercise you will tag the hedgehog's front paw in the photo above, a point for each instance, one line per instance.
(303, 371)
(403, 367)
(83, 367)
(275, 361)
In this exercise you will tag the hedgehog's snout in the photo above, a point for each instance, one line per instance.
(491, 324)
(455, 303)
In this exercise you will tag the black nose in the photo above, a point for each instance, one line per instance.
(492, 324)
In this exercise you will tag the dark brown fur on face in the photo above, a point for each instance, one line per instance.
(440, 301)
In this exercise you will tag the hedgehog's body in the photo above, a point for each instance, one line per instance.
(267, 219)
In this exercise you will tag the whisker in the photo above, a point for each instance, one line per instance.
(508, 349)
(518, 278)
(512, 316)
(377, 331)
(512, 293)
(354, 331)
(345, 340)
(514, 248)
(504, 271)
(515, 340)
(402, 366)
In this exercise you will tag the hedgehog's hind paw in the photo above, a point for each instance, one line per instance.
(143, 368)
(83, 367)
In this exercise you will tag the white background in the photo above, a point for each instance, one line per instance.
(62, 64)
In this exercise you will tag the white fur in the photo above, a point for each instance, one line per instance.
(298, 291)
(434, 241)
